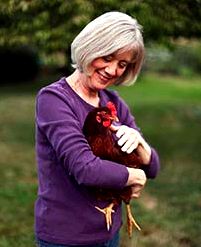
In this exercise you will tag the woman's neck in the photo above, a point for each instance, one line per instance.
(78, 82)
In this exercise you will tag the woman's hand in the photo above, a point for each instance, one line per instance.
(137, 180)
(130, 139)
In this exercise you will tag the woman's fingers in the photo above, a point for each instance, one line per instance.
(136, 191)
(122, 130)
(128, 138)
(129, 145)
(124, 138)
(132, 148)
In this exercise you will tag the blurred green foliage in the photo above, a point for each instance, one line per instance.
(51, 25)
(183, 60)
(48, 27)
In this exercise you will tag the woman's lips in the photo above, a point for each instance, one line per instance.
(104, 77)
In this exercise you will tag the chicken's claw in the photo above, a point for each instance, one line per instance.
(107, 211)
(131, 221)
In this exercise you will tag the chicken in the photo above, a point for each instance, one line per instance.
(100, 136)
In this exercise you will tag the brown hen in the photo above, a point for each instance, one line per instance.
(100, 136)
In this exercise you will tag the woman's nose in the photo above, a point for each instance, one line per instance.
(111, 69)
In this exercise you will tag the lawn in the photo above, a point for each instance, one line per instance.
(168, 110)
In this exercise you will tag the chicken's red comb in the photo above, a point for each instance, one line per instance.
(112, 108)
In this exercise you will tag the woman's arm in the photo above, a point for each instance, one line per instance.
(61, 127)
(130, 137)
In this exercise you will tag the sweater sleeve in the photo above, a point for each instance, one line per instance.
(56, 119)
(151, 170)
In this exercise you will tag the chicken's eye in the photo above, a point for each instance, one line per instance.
(104, 118)
(98, 118)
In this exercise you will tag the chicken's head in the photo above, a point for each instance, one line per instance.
(106, 115)
(100, 119)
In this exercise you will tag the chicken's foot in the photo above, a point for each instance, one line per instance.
(131, 221)
(107, 211)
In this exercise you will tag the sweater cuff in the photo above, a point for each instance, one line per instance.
(151, 170)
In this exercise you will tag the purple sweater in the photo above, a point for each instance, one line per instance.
(67, 168)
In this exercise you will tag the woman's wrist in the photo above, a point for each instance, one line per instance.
(144, 151)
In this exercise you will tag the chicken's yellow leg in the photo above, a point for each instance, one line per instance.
(131, 221)
(107, 211)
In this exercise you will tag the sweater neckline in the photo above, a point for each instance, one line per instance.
(66, 84)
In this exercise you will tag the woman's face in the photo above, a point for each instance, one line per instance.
(105, 71)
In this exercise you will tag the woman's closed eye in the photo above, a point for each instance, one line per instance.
(123, 65)
(108, 58)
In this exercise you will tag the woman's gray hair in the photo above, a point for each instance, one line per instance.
(105, 35)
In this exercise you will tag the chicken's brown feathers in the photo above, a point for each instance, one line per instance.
(104, 145)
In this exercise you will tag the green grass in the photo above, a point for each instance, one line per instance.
(168, 110)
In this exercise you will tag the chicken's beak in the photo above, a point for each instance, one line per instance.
(114, 118)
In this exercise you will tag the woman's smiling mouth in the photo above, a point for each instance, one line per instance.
(103, 77)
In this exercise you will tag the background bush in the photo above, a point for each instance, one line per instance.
(184, 60)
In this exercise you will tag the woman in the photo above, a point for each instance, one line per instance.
(108, 51)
